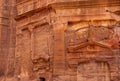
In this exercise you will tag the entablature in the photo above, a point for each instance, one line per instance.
(64, 5)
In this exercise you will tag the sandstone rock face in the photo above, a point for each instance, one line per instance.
(7, 39)
(60, 40)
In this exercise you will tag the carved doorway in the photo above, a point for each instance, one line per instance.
(93, 71)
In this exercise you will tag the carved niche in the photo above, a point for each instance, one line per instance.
(26, 63)
(42, 48)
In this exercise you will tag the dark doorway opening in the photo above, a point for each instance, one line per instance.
(42, 79)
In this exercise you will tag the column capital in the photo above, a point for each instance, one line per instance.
(30, 28)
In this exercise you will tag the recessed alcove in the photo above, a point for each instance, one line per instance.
(41, 79)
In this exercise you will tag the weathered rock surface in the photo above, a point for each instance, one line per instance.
(7, 39)
(60, 40)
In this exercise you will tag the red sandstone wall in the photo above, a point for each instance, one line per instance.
(43, 43)
(72, 54)
(7, 38)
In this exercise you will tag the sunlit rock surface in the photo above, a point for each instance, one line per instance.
(60, 40)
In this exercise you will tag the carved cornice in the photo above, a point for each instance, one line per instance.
(71, 5)
(30, 13)
(86, 4)
(35, 24)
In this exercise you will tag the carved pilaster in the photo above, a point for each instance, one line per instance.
(19, 36)
(31, 30)
(59, 48)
